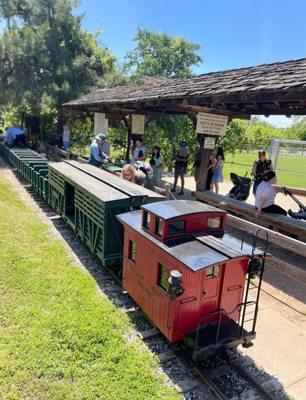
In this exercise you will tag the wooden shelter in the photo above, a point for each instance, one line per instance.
(268, 89)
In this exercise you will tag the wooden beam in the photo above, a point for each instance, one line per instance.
(276, 238)
(199, 108)
(280, 222)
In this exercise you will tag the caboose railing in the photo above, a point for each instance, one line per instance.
(241, 307)
(221, 313)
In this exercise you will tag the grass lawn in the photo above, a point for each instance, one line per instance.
(294, 163)
(59, 338)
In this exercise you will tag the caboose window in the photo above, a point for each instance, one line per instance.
(146, 220)
(159, 226)
(213, 223)
(132, 251)
(163, 276)
(212, 272)
(175, 227)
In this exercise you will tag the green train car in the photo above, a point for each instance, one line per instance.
(87, 198)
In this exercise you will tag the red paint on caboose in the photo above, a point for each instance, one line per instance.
(186, 236)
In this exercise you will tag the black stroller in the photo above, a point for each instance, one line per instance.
(241, 188)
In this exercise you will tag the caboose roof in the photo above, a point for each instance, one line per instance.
(177, 208)
(195, 252)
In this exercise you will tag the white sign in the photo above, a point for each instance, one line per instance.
(138, 124)
(100, 124)
(209, 142)
(211, 124)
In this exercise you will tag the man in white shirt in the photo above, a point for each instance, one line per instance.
(265, 196)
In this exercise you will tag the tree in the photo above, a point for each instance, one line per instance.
(236, 136)
(46, 58)
(161, 55)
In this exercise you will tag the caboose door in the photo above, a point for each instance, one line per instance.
(233, 287)
(210, 295)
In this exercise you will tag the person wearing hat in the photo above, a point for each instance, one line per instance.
(265, 196)
(260, 167)
(180, 166)
(97, 156)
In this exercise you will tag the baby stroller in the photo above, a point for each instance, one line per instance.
(241, 188)
(297, 215)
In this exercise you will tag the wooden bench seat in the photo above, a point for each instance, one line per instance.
(241, 208)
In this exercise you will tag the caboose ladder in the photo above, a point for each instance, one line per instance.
(255, 267)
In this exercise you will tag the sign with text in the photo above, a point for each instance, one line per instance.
(211, 124)
(100, 124)
(209, 142)
(138, 124)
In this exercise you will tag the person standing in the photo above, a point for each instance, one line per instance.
(217, 177)
(97, 157)
(260, 167)
(180, 167)
(66, 137)
(156, 163)
(265, 196)
(139, 151)
(210, 171)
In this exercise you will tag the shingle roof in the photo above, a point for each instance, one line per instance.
(267, 78)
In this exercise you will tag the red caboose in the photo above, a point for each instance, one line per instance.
(187, 275)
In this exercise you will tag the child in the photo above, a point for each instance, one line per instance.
(157, 166)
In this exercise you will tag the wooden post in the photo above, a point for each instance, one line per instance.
(129, 135)
(205, 159)
(204, 164)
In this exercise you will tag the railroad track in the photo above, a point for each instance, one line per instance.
(216, 378)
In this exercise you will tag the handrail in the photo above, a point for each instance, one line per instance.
(219, 320)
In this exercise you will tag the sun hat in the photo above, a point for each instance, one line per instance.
(102, 136)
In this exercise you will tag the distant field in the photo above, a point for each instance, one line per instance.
(293, 163)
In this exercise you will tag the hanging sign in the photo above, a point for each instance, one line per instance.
(100, 124)
(138, 124)
(211, 124)
(209, 142)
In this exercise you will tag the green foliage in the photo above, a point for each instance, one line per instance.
(168, 132)
(242, 134)
(46, 58)
(160, 55)
(297, 130)
(236, 136)
(59, 338)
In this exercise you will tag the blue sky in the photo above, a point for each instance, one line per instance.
(231, 33)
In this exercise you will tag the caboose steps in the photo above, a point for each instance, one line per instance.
(212, 338)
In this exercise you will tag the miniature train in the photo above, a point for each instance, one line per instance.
(191, 279)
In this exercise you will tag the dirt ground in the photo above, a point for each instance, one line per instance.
(280, 345)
